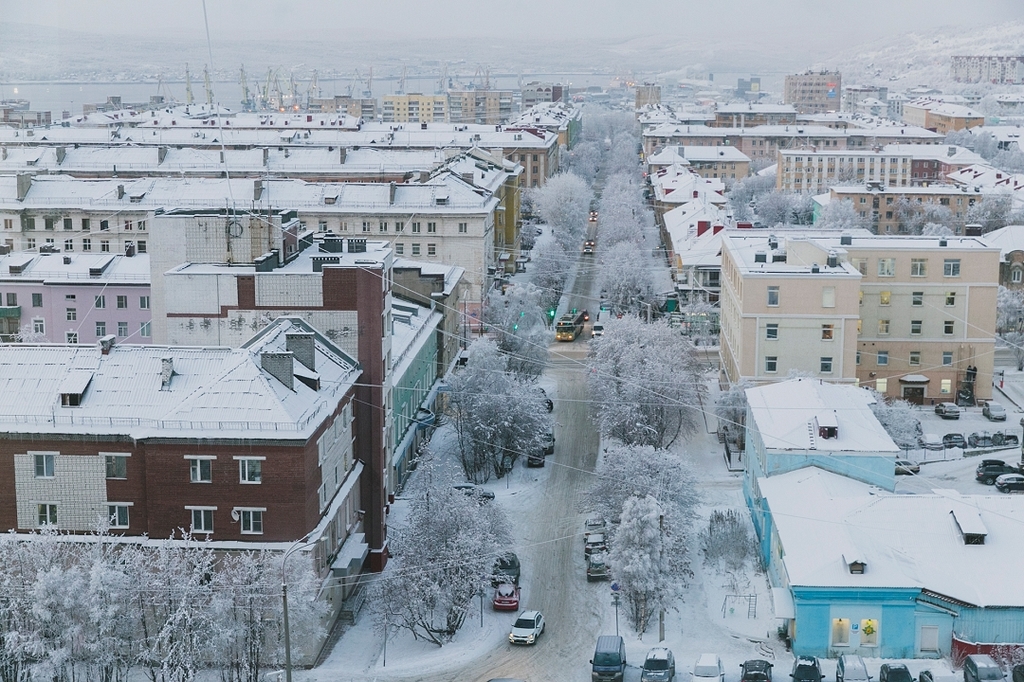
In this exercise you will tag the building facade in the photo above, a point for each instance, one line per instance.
(814, 91)
(987, 69)
(414, 108)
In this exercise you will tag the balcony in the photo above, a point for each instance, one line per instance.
(10, 311)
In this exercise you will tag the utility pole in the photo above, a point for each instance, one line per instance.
(661, 552)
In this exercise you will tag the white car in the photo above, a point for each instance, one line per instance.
(527, 629)
(708, 668)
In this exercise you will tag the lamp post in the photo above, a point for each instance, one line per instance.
(299, 544)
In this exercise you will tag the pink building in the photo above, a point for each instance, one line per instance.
(74, 297)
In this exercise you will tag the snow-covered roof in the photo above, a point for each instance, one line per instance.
(1008, 239)
(452, 274)
(751, 108)
(905, 541)
(984, 175)
(74, 268)
(211, 393)
(787, 415)
(413, 327)
(685, 154)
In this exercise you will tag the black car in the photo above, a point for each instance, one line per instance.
(548, 441)
(894, 672)
(506, 569)
(954, 440)
(475, 491)
(756, 670)
(925, 676)
(980, 439)
(548, 404)
(991, 469)
(535, 459)
(806, 669)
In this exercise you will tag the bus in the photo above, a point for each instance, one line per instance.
(569, 326)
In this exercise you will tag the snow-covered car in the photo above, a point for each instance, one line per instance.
(994, 412)
(536, 459)
(954, 440)
(476, 491)
(506, 569)
(659, 665)
(593, 525)
(907, 467)
(806, 669)
(506, 597)
(756, 670)
(597, 567)
(529, 626)
(948, 410)
(595, 542)
(708, 668)
(548, 442)
(930, 441)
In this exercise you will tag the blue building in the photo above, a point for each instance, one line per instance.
(858, 570)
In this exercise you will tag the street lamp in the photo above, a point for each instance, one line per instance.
(299, 544)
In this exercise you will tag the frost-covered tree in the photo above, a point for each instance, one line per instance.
(992, 212)
(936, 230)
(911, 216)
(550, 265)
(639, 555)
(624, 214)
(518, 318)
(841, 215)
(645, 382)
(564, 204)
(785, 208)
(448, 542)
(497, 417)
(626, 276)
(897, 418)
(583, 159)
(746, 191)
(1009, 309)
(731, 410)
(1015, 341)
(27, 334)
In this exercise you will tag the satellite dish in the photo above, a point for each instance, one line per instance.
(234, 515)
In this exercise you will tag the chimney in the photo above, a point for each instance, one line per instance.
(166, 372)
(972, 230)
(696, 194)
(67, 260)
(301, 344)
(120, 192)
(161, 154)
(342, 151)
(257, 189)
(703, 226)
(61, 153)
(468, 178)
(833, 259)
(24, 185)
(717, 229)
(106, 343)
(846, 240)
(391, 192)
(129, 249)
(281, 366)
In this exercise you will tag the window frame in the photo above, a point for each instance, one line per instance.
(196, 470)
(771, 331)
(777, 298)
(245, 473)
(951, 267)
(45, 462)
(773, 362)
(248, 518)
(205, 513)
(114, 510)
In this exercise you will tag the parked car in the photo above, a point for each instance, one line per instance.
(851, 668)
(1010, 483)
(1018, 673)
(659, 666)
(930, 441)
(506, 597)
(948, 410)
(609, 661)
(894, 672)
(529, 626)
(1005, 438)
(954, 440)
(548, 404)
(994, 411)
(476, 491)
(535, 459)
(593, 216)
(506, 569)
(925, 676)
(980, 439)
(593, 525)
(708, 668)
(597, 567)
(906, 466)
(806, 669)
(981, 668)
(548, 442)
(595, 542)
(756, 670)
(991, 469)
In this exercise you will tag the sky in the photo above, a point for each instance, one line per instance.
(766, 22)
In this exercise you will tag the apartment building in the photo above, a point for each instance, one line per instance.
(565, 120)
(487, 107)
(912, 317)
(364, 108)
(814, 91)
(647, 94)
(536, 92)
(853, 95)
(942, 117)
(414, 108)
(987, 68)
(708, 162)
(748, 115)
(813, 171)
(74, 298)
(886, 207)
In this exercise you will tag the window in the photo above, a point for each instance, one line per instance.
(200, 470)
(463, 228)
(882, 385)
(884, 298)
(366, 226)
(69, 244)
(431, 227)
(827, 332)
(828, 297)
(840, 632)
(1015, 276)
(951, 267)
(918, 267)
(886, 267)
(142, 226)
(252, 521)
(202, 520)
(117, 466)
(104, 225)
(322, 225)
(950, 298)
(128, 225)
(858, 357)
(12, 299)
(861, 264)
(8, 223)
(773, 296)
(48, 223)
(37, 300)
(883, 358)
(869, 632)
(71, 337)
(399, 226)
(86, 245)
(100, 301)
(399, 248)
(30, 244)
(915, 327)
(917, 298)
(45, 465)
(250, 470)
(101, 329)
(947, 327)
(947, 358)
(122, 302)
(117, 515)
(415, 249)
(826, 365)
(122, 329)
(771, 331)
(915, 358)
(141, 244)
(946, 386)
(771, 364)
(144, 330)
(416, 228)
(38, 326)
(71, 314)
(883, 327)
(383, 227)
(85, 224)
(431, 249)
(105, 246)
(143, 302)
(47, 514)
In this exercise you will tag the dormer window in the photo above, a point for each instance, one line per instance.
(857, 567)
(72, 389)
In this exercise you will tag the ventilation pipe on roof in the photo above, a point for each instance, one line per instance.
(106, 343)
(120, 191)
(166, 372)
(301, 344)
(281, 366)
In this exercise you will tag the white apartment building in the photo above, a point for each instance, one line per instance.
(808, 170)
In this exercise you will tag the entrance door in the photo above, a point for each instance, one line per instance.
(914, 394)
(929, 638)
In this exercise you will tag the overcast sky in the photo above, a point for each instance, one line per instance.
(769, 22)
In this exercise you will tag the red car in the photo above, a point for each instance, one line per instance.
(506, 597)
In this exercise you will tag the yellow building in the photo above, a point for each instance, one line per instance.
(414, 108)
(490, 107)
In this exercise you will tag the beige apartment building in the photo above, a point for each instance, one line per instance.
(490, 107)
(808, 170)
(881, 204)
(912, 317)
(814, 91)
(414, 108)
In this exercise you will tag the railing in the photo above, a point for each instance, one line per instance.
(173, 425)
(36, 274)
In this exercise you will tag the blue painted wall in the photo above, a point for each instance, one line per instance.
(894, 611)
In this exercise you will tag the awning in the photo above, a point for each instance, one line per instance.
(914, 379)
(782, 600)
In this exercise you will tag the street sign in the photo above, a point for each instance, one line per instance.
(615, 586)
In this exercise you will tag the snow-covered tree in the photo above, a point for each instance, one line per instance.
(992, 212)
(646, 383)
(731, 410)
(626, 276)
(624, 214)
(897, 418)
(518, 318)
(746, 191)
(1015, 341)
(1009, 309)
(785, 208)
(27, 334)
(583, 159)
(497, 417)
(564, 204)
(443, 553)
(936, 230)
(841, 215)
(912, 217)
(639, 556)
(550, 265)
